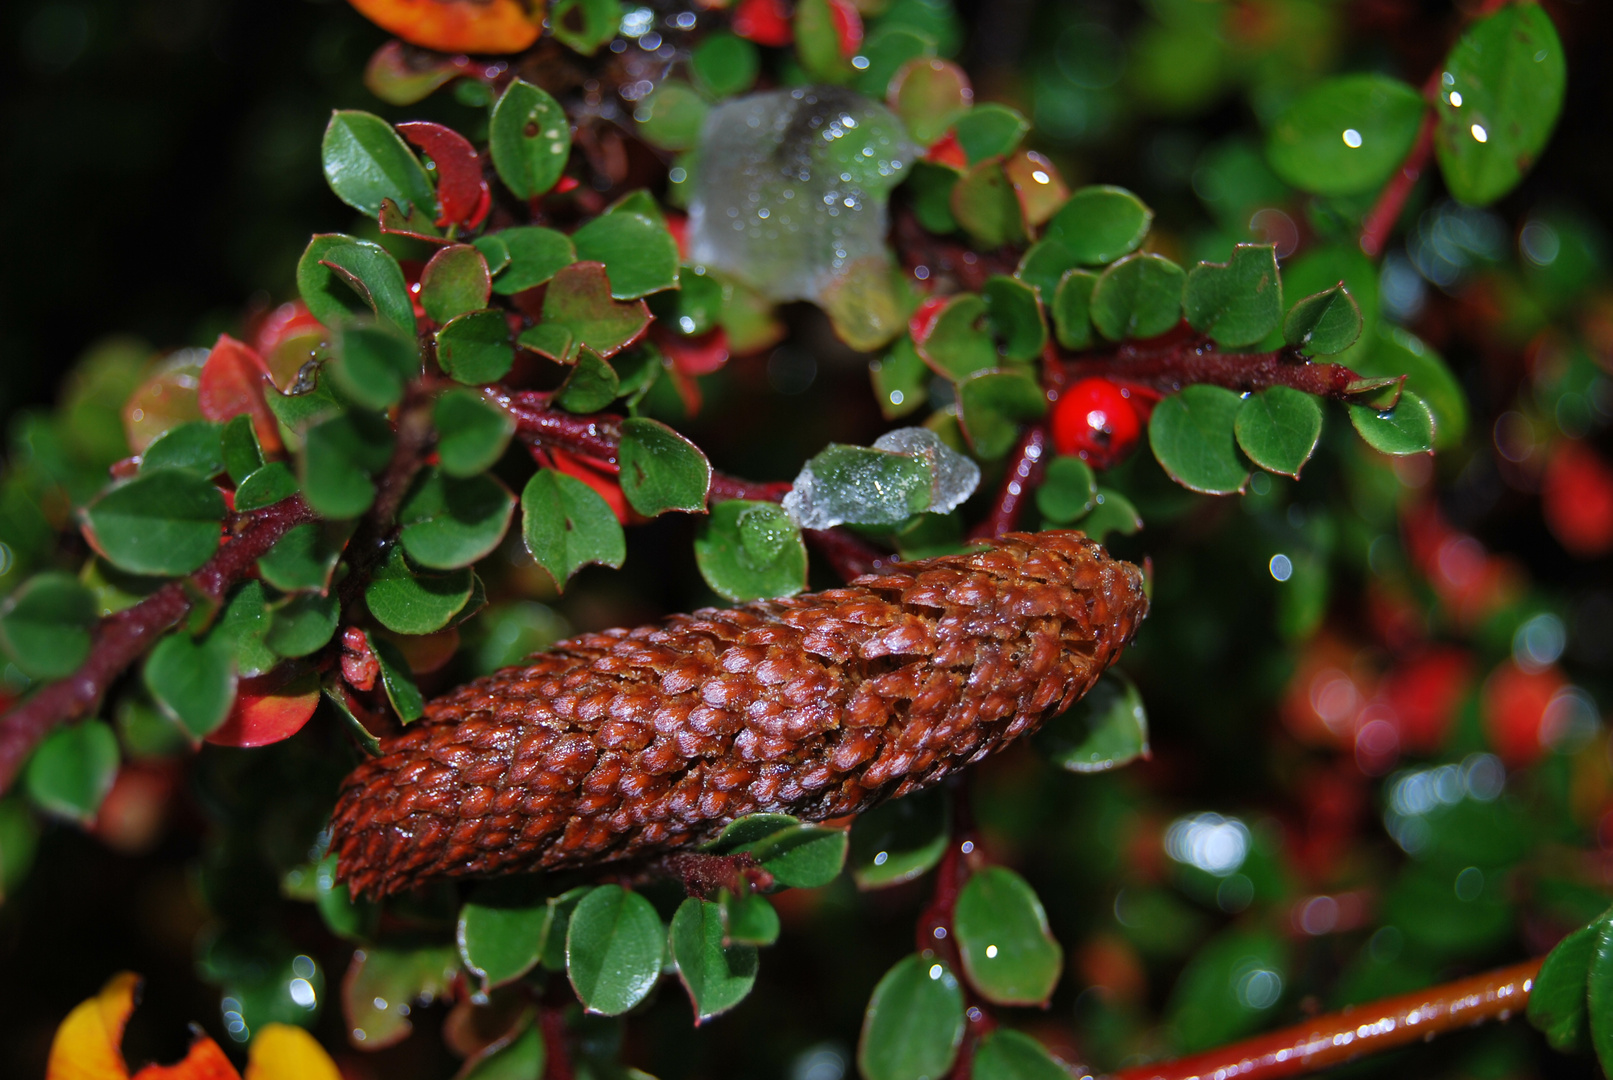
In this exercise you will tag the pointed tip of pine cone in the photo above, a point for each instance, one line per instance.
(632, 743)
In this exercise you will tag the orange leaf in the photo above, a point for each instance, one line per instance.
(204, 1062)
(232, 382)
(284, 1052)
(458, 26)
(270, 708)
(86, 1046)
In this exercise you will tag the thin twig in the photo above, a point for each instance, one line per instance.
(1357, 1031)
(1175, 360)
(1024, 474)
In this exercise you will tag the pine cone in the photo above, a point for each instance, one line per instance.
(635, 742)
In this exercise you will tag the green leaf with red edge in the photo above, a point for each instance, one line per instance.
(984, 203)
(194, 681)
(450, 522)
(716, 975)
(1138, 297)
(886, 49)
(991, 407)
(195, 446)
(928, 94)
(660, 469)
(1043, 265)
(899, 379)
(1408, 428)
(1239, 302)
(914, 1022)
(639, 253)
(71, 771)
(397, 75)
(495, 251)
(407, 601)
(365, 161)
(579, 302)
(1009, 954)
(45, 625)
(1557, 1004)
(1015, 316)
(989, 130)
(164, 522)
(1038, 186)
(954, 341)
(475, 348)
(751, 551)
(614, 947)
(827, 35)
(534, 255)
(1394, 351)
(1325, 323)
(1099, 224)
(801, 856)
(1500, 93)
(338, 457)
(383, 985)
(417, 223)
(585, 25)
(472, 432)
(725, 64)
(373, 363)
(396, 679)
(1278, 428)
(1191, 434)
(552, 340)
(518, 1054)
(899, 840)
(591, 385)
(672, 115)
(339, 277)
(929, 187)
(454, 281)
(567, 525)
(529, 138)
(1072, 309)
(501, 934)
(270, 708)
(1345, 135)
(1005, 1054)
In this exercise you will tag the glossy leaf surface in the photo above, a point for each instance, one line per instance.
(613, 949)
(1009, 954)
(1104, 730)
(914, 1022)
(1278, 428)
(1191, 434)
(567, 525)
(717, 976)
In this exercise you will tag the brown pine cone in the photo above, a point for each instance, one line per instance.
(634, 742)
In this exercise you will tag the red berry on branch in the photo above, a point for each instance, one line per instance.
(1096, 421)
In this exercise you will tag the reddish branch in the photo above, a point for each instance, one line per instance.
(1024, 473)
(120, 638)
(1355, 1032)
(1380, 220)
(1178, 359)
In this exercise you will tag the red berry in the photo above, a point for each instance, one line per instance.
(1097, 421)
(1514, 705)
(1577, 500)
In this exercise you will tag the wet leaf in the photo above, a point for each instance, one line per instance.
(365, 161)
(1394, 351)
(519, 1057)
(660, 469)
(1599, 997)
(340, 277)
(591, 385)
(1099, 224)
(1009, 954)
(579, 303)
(407, 602)
(1012, 1055)
(914, 1023)
(584, 25)
(989, 130)
(1072, 309)
(195, 446)
(71, 771)
(303, 624)
(1278, 428)
(269, 708)
(374, 363)
(1191, 434)
(984, 203)
(193, 680)
(1345, 135)
(534, 256)
(1557, 1004)
(475, 348)
(613, 949)
(472, 432)
(1408, 428)
(954, 343)
(1015, 317)
(748, 919)
(567, 525)
(396, 680)
(900, 840)
(993, 404)
(338, 457)
(1104, 730)
(750, 551)
(1138, 297)
(530, 139)
(45, 625)
(385, 983)
(899, 379)
(1068, 490)
(164, 522)
(801, 856)
(449, 523)
(927, 93)
(1038, 186)
(1328, 322)
(461, 191)
(501, 942)
(717, 976)
(1500, 94)
(639, 254)
(1238, 302)
(455, 281)
(725, 64)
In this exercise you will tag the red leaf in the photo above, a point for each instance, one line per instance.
(204, 1062)
(1514, 707)
(599, 475)
(270, 708)
(232, 383)
(461, 190)
(765, 22)
(493, 26)
(948, 151)
(694, 355)
(848, 25)
(922, 321)
(1577, 500)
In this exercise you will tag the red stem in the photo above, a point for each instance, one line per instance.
(557, 1055)
(1170, 362)
(1024, 473)
(120, 638)
(1380, 220)
(1355, 1032)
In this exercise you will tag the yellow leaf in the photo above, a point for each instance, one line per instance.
(87, 1045)
(284, 1052)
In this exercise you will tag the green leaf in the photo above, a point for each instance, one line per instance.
(1325, 323)
(748, 919)
(1500, 93)
(1068, 490)
(1015, 317)
(567, 525)
(801, 856)
(817, 42)
(475, 348)
(449, 523)
(455, 281)
(914, 1023)
(302, 559)
(930, 187)
(365, 161)
(193, 680)
(241, 628)
(1192, 436)
(671, 117)
(269, 485)
(196, 446)
(750, 829)
(164, 522)
(899, 379)
(591, 385)
(396, 679)
(992, 405)
(984, 203)
(337, 459)
(660, 469)
(1557, 1004)
(1099, 224)
(409, 603)
(1043, 265)
(45, 625)
(1238, 302)
(495, 251)
(521, 1057)
(956, 344)
(887, 48)
(1599, 996)
(349, 919)
(1278, 428)
(1008, 952)
(340, 277)
(1104, 730)
(72, 770)
(384, 984)
(373, 363)
(1408, 428)
(1138, 297)
(530, 139)
(639, 253)
(899, 840)
(1394, 351)
(717, 976)
(559, 925)
(1229, 988)
(535, 255)
(695, 307)
(928, 94)
(1012, 1055)
(239, 445)
(1072, 309)
(579, 303)
(500, 943)
(989, 130)
(472, 432)
(725, 64)
(613, 949)
(303, 624)
(584, 25)
(1322, 267)
(1345, 135)
(751, 551)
